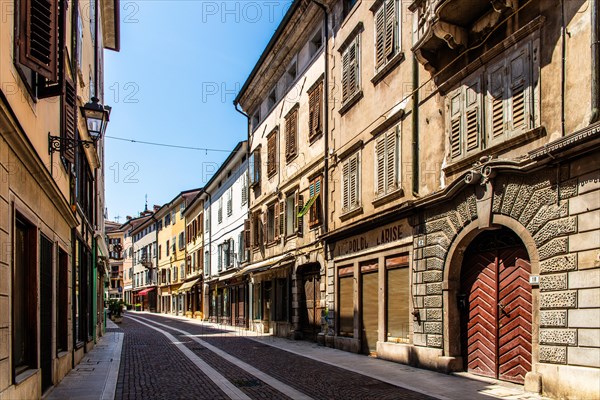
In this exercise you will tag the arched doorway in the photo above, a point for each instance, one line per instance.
(495, 303)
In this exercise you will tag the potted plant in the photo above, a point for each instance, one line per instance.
(138, 307)
(116, 310)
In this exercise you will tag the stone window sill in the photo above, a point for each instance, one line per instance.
(396, 194)
(352, 213)
(387, 68)
(351, 102)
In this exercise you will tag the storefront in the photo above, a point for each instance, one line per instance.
(372, 277)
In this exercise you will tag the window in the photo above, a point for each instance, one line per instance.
(291, 222)
(167, 248)
(315, 112)
(315, 207)
(291, 73)
(181, 241)
(182, 272)
(24, 298)
(173, 216)
(254, 167)
(257, 229)
(219, 257)
(316, 42)
(495, 104)
(272, 153)
(220, 210)
(256, 119)
(230, 202)
(167, 219)
(351, 70)
(242, 245)
(386, 32)
(244, 188)
(271, 99)
(387, 162)
(351, 183)
(291, 134)
(271, 223)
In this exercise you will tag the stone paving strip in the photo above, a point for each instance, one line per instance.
(287, 391)
(153, 368)
(223, 383)
(319, 380)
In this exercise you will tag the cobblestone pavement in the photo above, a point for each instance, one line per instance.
(315, 379)
(153, 368)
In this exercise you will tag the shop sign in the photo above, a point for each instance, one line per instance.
(377, 237)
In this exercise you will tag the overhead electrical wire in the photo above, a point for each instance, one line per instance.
(167, 145)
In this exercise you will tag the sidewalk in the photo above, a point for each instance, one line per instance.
(456, 386)
(95, 377)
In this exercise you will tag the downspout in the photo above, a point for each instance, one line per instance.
(325, 191)
(415, 127)
(563, 67)
(595, 41)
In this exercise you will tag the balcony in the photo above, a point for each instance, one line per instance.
(447, 27)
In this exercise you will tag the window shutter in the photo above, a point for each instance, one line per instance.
(69, 120)
(345, 74)
(314, 113)
(48, 88)
(390, 23)
(271, 154)
(281, 218)
(391, 164)
(38, 37)
(346, 186)
(276, 221)
(264, 225)
(380, 40)
(353, 181)
(519, 85)
(353, 67)
(472, 125)
(299, 220)
(380, 159)
(497, 92)
(291, 134)
(455, 125)
(246, 234)
(244, 188)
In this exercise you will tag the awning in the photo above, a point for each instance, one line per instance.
(308, 205)
(188, 285)
(145, 291)
(266, 264)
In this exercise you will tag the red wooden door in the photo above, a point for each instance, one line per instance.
(496, 315)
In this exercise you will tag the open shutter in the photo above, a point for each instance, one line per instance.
(346, 186)
(380, 167)
(390, 24)
(69, 118)
(380, 29)
(265, 227)
(472, 115)
(38, 37)
(520, 90)
(300, 220)
(276, 221)
(281, 218)
(455, 124)
(497, 92)
(288, 141)
(48, 88)
(317, 113)
(391, 167)
(345, 74)
(246, 234)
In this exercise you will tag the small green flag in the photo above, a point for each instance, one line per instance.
(308, 205)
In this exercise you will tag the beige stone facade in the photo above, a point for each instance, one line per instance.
(51, 202)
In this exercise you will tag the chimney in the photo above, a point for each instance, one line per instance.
(128, 217)
(156, 208)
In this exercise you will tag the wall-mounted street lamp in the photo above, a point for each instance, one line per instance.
(96, 118)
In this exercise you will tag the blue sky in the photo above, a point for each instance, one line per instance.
(180, 66)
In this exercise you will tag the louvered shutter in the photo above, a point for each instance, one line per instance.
(317, 119)
(271, 154)
(246, 234)
(390, 24)
(281, 218)
(455, 124)
(291, 134)
(265, 227)
(380, 159)
(353, 181)
(345, 75)
(69, 121)
(276, 221)
(353, 67)
(472, 115)
(390, 160)
(300, 220)
(38, 37)
(520, 90)
(380, 40)
(496, 84)
(346, 186)
(46, 87)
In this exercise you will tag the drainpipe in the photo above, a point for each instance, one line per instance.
(325, 191)
(415, 127)
(563, 67)
(595, 39)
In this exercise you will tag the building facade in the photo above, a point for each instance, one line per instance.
(225, 210)
(172, 252)
(286, 266)
(53, 261)
(194, 262)
(115, 235)
(145, 263)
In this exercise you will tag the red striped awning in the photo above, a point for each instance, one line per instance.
(145, 291)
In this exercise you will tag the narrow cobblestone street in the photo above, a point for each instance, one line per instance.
(152, 365)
